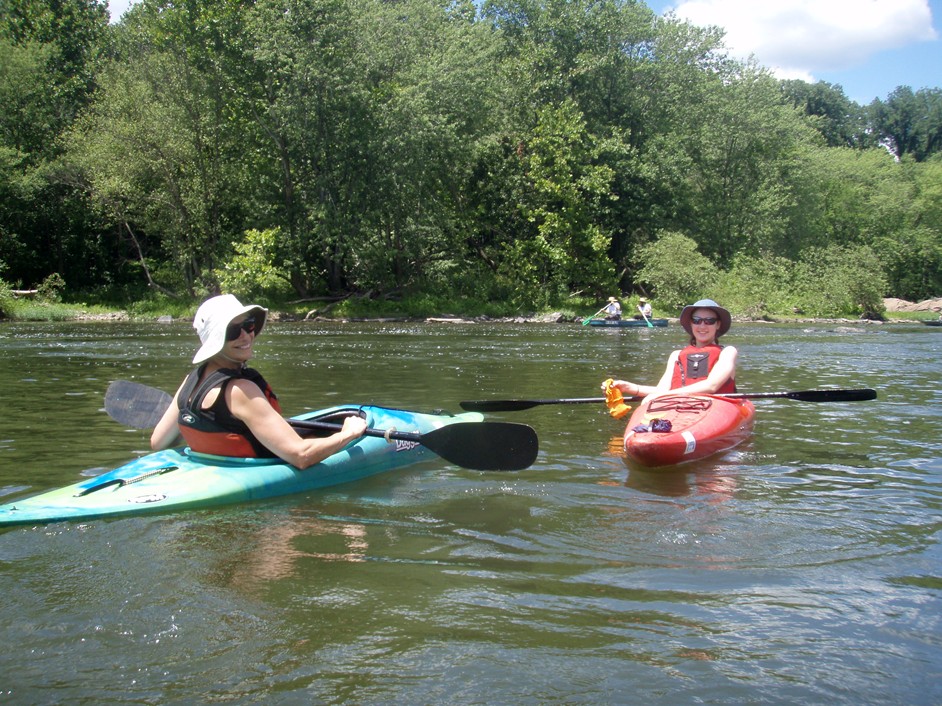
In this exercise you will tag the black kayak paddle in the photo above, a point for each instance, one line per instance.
(860, 395)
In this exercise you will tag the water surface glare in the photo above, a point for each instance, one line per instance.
(802, 567)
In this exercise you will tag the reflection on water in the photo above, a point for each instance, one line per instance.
(800, 567)
(279, 547)
(714, 477)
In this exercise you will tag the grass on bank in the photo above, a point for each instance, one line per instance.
(154, 307)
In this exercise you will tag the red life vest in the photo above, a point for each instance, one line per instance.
(214, 430)
(694, 364)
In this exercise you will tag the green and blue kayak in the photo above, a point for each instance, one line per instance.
(178, 479)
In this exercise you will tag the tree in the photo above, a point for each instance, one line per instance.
(739, 160)
(50, 51)
(840, 121)
(909, 123)
(841, 280)
(163, 148)
(675, 270)
(911, 252)
(562, 248)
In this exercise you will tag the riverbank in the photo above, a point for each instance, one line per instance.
(912, 312)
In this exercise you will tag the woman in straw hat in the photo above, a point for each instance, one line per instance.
(612, 309)
(226, 408)
(702, 367)
(644, 306)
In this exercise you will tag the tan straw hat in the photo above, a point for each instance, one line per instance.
(722, 314)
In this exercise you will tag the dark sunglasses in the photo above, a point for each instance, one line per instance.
(233, 331)
(708, 320)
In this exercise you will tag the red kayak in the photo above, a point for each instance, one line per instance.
(681, 428)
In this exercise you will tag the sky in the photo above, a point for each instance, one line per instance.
(868, 47)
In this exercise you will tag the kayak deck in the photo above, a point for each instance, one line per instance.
(177, 479)
(695, 426)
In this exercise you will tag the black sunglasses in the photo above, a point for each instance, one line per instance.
(233, 331)
(708, 320)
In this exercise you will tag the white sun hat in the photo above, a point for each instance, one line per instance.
(212, 318)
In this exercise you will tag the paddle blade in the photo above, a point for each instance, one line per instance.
(135, 405)
(498, 405)
(517, 405)
(485, 446)
(860, 395)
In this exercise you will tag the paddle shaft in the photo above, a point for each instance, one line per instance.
(388, 434)
(585, 322)
(858, 395)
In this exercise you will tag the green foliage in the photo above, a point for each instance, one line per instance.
(6, 299)
(675, 271)
(153, 306)
(909, 123)
(44, 306)
(913, 262)
(834, 281)
(912, 251)
(418, 306)
(251, 271)
(559, 246)
(759, 286)
(841, 281)
(163, 149)
(839, 120)
(742, 165)
(50, 291)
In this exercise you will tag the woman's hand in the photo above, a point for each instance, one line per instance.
(353, 427)
(627, 388)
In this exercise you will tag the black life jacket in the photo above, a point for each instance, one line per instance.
(214, 430)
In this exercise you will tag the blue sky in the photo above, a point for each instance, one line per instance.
(868, 47)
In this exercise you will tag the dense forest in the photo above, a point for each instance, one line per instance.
(521, 151)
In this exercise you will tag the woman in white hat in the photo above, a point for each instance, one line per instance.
(702, 367)
(226, 408)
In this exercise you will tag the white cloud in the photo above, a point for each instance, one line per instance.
(798, 37)
(117, 8)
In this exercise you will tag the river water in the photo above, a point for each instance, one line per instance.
(802, 567)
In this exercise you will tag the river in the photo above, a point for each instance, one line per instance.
(802, 567)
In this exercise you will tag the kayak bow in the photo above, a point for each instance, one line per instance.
(699, 426)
